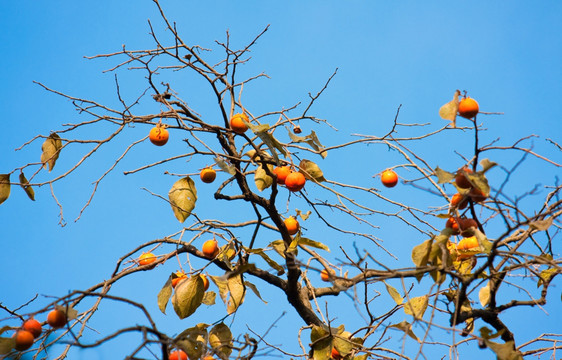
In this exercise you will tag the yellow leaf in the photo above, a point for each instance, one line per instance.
(450, 109)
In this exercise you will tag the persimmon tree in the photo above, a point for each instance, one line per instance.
(468, 257)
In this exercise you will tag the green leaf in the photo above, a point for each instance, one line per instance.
(311, 140)
(484, 295)
(237, 292)
(193, 341)
(407, 328)
(394, 294)
(504, 351)
(443, 176)
(188, 296)
(4, 187)
(25, 185)
(321, 343)
(487, 165)
(164, 295)
(312, 243)
(268, 260)
(542, 225)
(416, 306)
(51, 151)
(227, 168)
(450, 109)
(311, 171)
(254, 288)
(262, 180)
(183, 196)
(209, 298)
(6, 345)
(220, 339)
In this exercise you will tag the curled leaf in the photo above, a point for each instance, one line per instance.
(183, 196)
(407, 328)
(4, 187)
(450, 109)
(51, 151)
(312, 243)
(311, 140)
(227, 168)
(164, 295)
(25, 185)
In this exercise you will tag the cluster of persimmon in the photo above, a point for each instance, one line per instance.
(468, 246)
(293, 180)
(31, 329)
(181, 355)
(462, 181)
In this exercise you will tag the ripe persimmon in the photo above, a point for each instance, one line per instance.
(335, 354)
(468, 247)
(24, 340)
(147, 258)
(237, 123)
(461, 179)
(468, 108)
(389, 178)
(56, 319)
(158, 135)
(477, 195)
(205, 281)
(295, 181)
(208, 175)
(292, 225)
(180, 276)
(282, 172)
(459, 201)
(33, 326)
(325, 275)
(210, 248)
(453, 224)
(178, 355)
(467, 227)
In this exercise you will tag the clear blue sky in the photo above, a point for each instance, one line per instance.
(508, 55)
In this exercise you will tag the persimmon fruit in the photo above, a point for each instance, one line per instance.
(325, 275)
(282, 172)
(295, 181)
(335, 354)
(158, 135)
(467, 227)
(208, 175)
(24, 340)
(461, 179)
(237, 123)
(180, 276)
(147, 258)
(56, 319)
(210, 248)
(477, 195)
(178, 355)
(389, 178)
(468, 108)
(33, 326)
(453, 224)
(459, 201)
(292, 225)
(468, 247)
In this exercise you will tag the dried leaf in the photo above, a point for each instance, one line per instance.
(321, 343)
(270, 262)
(278, 246)
(4, 187)
(420, 253)
(443, 176)
(311, 171)
(25, 185)
(450, 109)
(183, 196)
(416, 306)
(227, 168)
(302, 215)
(504, 351)
(209, 298)
(188, 296)
(51, 151)
(541, 225)
(484, 295)
(220, 339)
(164, 295)
(486, 165)
(394, 294)
(312, 243)
(222, 284)
(193, 341)
(311, 140)
(407, 328)
(255, 290)
(262, 180)
(546, 275)
(237, 292)
(6, 345)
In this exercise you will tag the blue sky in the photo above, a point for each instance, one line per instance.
(506, 55)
